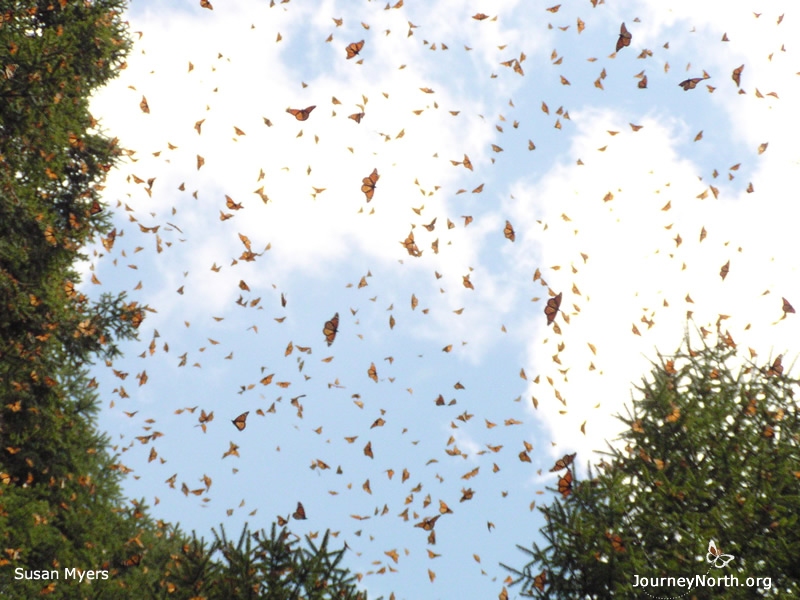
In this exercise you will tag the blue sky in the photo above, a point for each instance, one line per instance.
(610, 216)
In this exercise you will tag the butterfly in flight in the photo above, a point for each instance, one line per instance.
(552, 307)
(690, 84)
(564, 462)
(300, 513)
(240, 422)
(368, 184)
(624, 38)
(353, 49)
(331, 328)
(716, 557)
(301, 114)
(508, 231)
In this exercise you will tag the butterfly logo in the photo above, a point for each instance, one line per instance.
(715, 556)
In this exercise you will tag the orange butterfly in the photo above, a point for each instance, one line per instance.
(300, 513)
(552, 307)
(428, 523)
(565, 484)
(616, 542)
(787, 308)
(368, 184)
(354, 48)
(356, 117)
(564, 462)
(331, 328)
(133, 561)
(302, 114)
(240, 422)
(642, 83)
(508, 231)
(540, 580)
(723, 272)
(625, 38)
(737, 75)
(690, 84)
(777, 367)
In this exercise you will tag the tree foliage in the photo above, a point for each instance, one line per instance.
(711, 452)
(61, 505)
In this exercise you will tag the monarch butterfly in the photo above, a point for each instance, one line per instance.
(133, 561)
(737, 75)
(428, 523)
(411, 246)
(372, 372)
(540, 580)
(356, 117)
(690, 84)
(137, 319)
(723, 272)
(552, 307)
(508, 231)
(368, 184)
(565, 484)
(787, 308)
(616, 542)
(777, 367)
(642, 83)
(240, 422)
(564, 462)
(625, 38)
(353, 49)
(96, 208)
(301, 114)
(300, 513)
(331, 328)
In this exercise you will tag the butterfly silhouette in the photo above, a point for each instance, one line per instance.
(690, 84)
(624, 37)
(353, 49)
(716, 557)
(300, 114)
(331, 328)
(240, 422)
(552, 307)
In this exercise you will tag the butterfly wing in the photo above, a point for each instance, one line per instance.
(353, 49)
(565, 484)
(300, 513)
(552, 307)
(331, 328)
(624, 38)
(508, 231)
(240, 422)
(540, 580)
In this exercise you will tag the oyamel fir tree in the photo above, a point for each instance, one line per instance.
(61, 505)
(60, 502)
(711, 452)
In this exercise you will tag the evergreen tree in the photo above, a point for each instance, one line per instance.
(61, 505)
(274, 567)
(710, 453)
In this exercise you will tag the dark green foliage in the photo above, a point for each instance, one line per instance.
(711, 453)
(258, 566)
(60, 498)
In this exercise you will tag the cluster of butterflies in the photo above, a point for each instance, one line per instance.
(413, 246)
